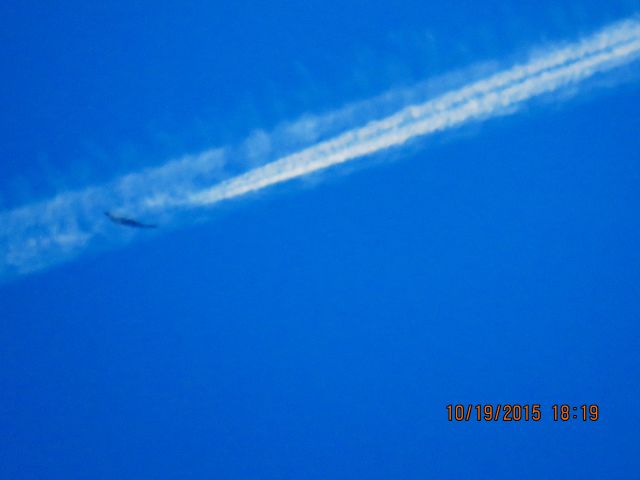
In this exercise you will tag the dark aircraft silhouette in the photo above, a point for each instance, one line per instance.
(128, 222)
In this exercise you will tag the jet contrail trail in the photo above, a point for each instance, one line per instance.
(35, 236)
(485, 98)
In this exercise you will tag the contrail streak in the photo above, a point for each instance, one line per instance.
(38, 235)
(493, 96)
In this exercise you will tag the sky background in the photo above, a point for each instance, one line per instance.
(319, 330)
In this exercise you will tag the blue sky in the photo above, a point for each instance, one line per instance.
(319, 330)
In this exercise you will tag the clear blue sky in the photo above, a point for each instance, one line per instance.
(319, 332)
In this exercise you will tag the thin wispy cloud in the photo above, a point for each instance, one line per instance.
(39, 235)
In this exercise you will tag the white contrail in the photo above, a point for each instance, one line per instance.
(38, 235)
(489, 97)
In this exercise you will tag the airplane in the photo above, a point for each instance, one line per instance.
(128, 222)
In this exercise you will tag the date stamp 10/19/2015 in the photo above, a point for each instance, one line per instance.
(520, 412)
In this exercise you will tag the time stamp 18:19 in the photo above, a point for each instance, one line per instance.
(516, 412)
